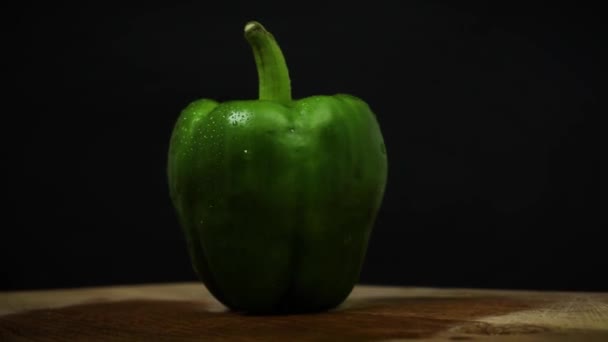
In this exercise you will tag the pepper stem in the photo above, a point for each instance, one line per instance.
(273, 75)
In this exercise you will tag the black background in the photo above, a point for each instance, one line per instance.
(488, 115)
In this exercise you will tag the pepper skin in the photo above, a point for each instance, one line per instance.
(277, 197)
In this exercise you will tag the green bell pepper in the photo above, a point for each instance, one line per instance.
(277, 197)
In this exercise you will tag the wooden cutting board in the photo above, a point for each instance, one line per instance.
(187, 312)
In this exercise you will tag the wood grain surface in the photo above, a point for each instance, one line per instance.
(187, 312)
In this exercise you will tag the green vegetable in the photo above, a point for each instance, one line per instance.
(277, 197)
